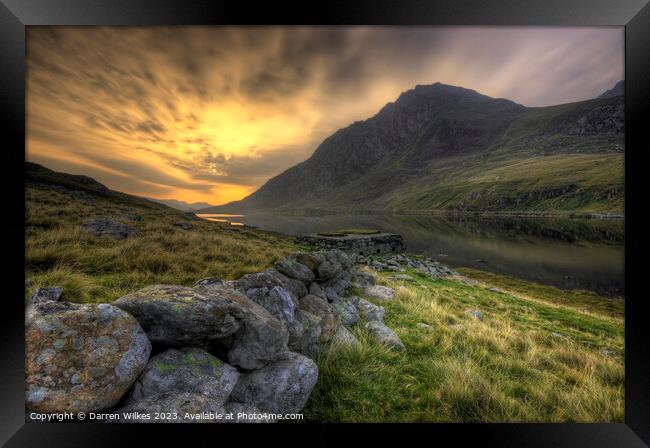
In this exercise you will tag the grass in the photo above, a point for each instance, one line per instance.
(540, 355)
(532, 359)
(60, 252)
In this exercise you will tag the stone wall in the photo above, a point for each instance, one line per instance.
(381, 243)
(218, 346)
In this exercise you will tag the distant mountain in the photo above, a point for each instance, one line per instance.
(617, 90)
(445, 147)
(182, 205)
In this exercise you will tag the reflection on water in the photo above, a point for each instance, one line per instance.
(220, 217)
(582, 254)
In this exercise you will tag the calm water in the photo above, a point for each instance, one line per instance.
(570, 254)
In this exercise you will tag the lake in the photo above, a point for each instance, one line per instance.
(567, 253)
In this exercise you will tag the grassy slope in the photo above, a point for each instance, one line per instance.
(60, 252)
(510, 367)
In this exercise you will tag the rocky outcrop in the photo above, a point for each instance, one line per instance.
(81, 357)
(110, 228)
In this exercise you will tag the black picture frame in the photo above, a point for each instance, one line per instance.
(15, 15)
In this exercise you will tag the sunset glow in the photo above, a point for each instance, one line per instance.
(211, 113)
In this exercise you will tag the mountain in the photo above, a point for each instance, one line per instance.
(617, 90)
(441, 147)
(182, 205)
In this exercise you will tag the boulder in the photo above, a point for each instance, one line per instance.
(316, 290)
(347, 311)
(329, 319)
(46, 295)
(295, 287)
(172, 408)
(362, 279)
(310, 259)
(476, 314)
(178, 316)
(186, 370)
(307, 341)
(281, 387)
(378, 292)
(110, 228)
(344, 338)
(339, 284)
(290, 267)
(81, 357)
(385, 335)
(368, 311)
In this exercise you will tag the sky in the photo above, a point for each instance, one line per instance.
(211, 113)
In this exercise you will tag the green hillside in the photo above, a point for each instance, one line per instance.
(446, 148)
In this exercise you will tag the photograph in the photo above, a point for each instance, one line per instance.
(324, 224)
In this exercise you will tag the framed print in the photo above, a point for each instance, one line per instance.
(369, 216)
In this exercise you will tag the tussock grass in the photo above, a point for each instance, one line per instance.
(538, 356)
(60, 252)
(510, 367)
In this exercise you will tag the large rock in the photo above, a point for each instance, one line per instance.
(187, 370)
(329, 319)
(42, 295)
(316, 290)
(256, 286)
(368, 311)
(290, 267)
(110, 228)
(310, 259)
(362, 279)
(172, 408)
(307, 341)
(281, 387)
(378, 292)
(178, 316)
(295, 287)
(81, 357)
(339, 284)
(345, 339)
(385, 335)
(347, 311)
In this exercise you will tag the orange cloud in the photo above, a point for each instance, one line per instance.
(210, 113)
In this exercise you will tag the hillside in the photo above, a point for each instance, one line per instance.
(441, 147)
(60, 250)
(535, 353)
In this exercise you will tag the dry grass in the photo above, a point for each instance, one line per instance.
(60, 252)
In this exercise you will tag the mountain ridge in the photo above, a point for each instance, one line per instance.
(427, 135)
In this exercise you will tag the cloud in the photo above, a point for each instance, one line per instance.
(210, 113)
